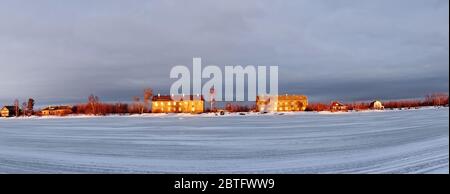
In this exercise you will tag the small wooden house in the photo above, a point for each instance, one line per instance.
(338, 107)
(56, 110)
(376, 105)
(9, 111)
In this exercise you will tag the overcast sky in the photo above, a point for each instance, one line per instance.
(62, 51)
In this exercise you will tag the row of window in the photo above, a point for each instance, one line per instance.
(291, 106)
(176, 103)
(288, 109)
(292, 103)
(179, 109)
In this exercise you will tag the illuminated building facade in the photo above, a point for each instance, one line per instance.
(284, 103)
(178, 104)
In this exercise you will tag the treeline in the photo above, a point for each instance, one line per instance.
(95, 107)
(436, 99)
(230, 107)
(101, 109)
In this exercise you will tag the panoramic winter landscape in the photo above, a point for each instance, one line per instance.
(391, 141)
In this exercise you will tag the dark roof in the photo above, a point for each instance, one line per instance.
(10, 108)
(292, 97)
(161, 98)
(57, 107)
(172, 98)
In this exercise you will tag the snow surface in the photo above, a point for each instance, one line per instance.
(408, 141)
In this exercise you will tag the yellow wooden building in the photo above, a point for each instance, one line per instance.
(8, 111)
(281, 103)
(178, 104)
(56, 110)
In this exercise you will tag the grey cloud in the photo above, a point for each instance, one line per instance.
(61, 51)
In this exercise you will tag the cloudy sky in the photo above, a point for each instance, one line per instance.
(62, 51)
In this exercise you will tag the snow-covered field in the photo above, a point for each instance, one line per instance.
(409, 141)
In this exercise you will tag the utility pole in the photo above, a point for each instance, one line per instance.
(212, 98)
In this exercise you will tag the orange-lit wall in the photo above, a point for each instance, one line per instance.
(294, 103)
(186, 106)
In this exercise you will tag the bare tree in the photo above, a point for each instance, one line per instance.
(24, 108)
(30, 107)
(436, 99)
(16, 107)
(148, 93)
(138, 107)
(93, 103)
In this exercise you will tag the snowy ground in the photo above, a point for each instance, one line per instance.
(410, 141)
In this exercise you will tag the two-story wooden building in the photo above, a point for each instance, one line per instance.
(178, 104)
(281, 103)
